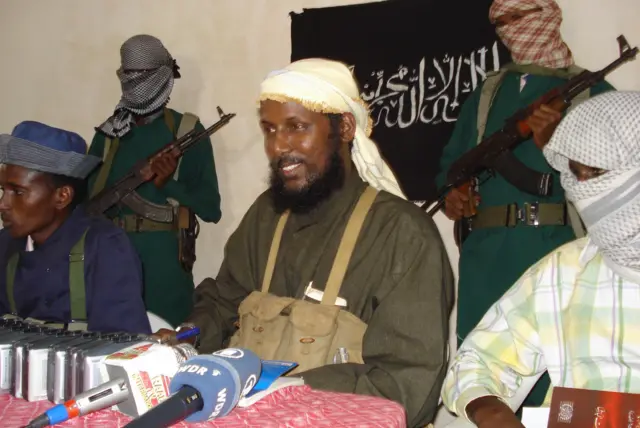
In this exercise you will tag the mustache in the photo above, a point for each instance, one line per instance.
(278, 163)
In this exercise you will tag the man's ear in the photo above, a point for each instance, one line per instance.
(63, 197)
(347, 128)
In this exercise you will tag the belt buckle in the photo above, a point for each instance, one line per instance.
(529, 214)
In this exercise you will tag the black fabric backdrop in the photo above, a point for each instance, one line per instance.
(416, 62)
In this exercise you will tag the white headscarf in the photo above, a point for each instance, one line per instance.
(326, 86)
(604, 132)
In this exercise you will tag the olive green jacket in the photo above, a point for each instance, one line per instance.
(398, 281)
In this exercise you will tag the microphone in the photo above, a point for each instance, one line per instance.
(205, 387)
(106, 395)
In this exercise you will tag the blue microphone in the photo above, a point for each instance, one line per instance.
(205, 387)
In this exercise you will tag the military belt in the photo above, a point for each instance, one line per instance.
(134, 223)
(529, 214)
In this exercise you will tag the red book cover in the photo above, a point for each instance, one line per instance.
(571, 407)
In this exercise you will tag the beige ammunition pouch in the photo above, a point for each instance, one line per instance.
(311, 334)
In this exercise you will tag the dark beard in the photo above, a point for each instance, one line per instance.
(319, 188)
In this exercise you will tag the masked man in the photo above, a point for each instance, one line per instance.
(141, 125)
(56, 263)
(505, 239)
(397, 287)
(576, 312)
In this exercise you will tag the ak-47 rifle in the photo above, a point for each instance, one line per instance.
(483, 158)
(124, 190)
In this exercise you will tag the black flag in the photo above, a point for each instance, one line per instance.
(416, 62)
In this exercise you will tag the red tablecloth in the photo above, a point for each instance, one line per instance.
(292, 407)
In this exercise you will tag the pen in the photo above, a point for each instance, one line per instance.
(185, 334)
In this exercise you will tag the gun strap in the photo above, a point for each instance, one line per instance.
(77, 287)
(520, 175)
(187, 124)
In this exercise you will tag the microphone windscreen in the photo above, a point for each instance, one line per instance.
(247, 363)
(221, 380)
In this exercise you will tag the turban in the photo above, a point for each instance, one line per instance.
(604, 132)
(146, 76)
(534, 38)
(326, 86)
(43, 148)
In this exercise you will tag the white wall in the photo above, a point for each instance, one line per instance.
(59, 60)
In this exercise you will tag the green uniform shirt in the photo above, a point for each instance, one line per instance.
(398, 281)
(168, 289)
(493, 259)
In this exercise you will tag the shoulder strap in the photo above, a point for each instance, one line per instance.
(169, 121)
(575, 221)
(12, 266)
(347, 244)
(573, 71)
(77, 289)
(343, 255)
(487, 94)
(273, 251)
(108, 154)
(187, 123)
(582, 96)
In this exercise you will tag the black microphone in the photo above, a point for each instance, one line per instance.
(205, 387)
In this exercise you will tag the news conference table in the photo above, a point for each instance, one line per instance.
(292, 407)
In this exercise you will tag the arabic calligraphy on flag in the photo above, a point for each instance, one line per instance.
(416, 62)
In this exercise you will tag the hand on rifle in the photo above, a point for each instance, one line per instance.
(161, 168)
(457, 204)
(543, 123)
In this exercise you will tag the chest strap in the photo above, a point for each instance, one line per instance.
(345, 249)
(77, 289)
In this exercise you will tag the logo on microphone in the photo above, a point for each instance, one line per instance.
(249, 384)
(221, 400)
(230, 353)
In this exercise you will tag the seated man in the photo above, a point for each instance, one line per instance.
(398, 280)
(575, 313)
(57, 264)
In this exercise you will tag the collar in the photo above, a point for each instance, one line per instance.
(145, 120)
(336, 205)
(537, 70)
(76, 215)
(591, 250)
(30, 246)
